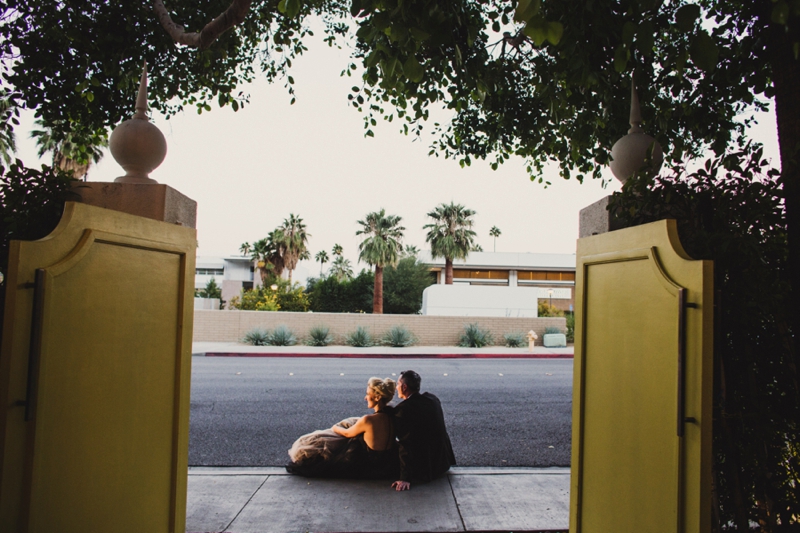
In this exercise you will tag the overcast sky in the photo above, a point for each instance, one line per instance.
(248, 170)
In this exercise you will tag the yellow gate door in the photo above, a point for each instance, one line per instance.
(642, 384)
(94, 376)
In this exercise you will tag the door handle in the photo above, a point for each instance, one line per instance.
(682, 306)
(35, 351)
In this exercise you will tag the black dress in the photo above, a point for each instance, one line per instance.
(326, 454)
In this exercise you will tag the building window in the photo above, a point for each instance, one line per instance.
(209, 271)
(545, 275)
(462, 273)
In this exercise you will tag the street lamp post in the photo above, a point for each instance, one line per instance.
(550, 292)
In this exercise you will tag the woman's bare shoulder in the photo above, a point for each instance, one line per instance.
(373, 418)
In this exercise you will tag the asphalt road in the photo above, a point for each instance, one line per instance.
(247, 411)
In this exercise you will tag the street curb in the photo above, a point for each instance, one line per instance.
(398, 356)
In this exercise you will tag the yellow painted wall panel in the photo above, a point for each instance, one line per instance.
(631, 470)
(106, 448)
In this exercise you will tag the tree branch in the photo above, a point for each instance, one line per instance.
(232, 16)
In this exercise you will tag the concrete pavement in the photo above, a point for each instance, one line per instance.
(477, 499)
(267, 500)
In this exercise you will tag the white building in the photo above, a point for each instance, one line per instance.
(232, 274)
(501, 284)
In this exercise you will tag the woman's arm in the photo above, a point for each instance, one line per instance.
(356, 429)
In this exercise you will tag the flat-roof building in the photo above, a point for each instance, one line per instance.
(548, 276)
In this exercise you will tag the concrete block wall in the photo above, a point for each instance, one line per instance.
(231, 326)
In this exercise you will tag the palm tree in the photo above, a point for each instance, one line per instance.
(337, 249)
(494, 232)
(295, 239)
(341, 269)
(268, 254)
(70, 153)
(322, 257)
(410, 251)
(381, 247)
(245, 248)
(450, 235)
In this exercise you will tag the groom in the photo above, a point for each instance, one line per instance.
(425, 450)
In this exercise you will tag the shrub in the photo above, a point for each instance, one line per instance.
(258, 299)
(399, 337)
(403, 285)
(552, 330)
(545, 309)
(331, 295)
(289, 297)
(212, 290)
(475, 337)
(257, 337)
(515, 339)
(282, 336)
(319, 336)
(570, 327)
(360, 338)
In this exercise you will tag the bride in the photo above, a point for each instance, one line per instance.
(362, 448)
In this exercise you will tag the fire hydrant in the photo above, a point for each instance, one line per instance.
(532, 336)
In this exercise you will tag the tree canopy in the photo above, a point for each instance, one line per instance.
(545, 80)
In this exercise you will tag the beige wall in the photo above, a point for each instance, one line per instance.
(231, 326)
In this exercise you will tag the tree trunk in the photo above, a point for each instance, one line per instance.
(786, 80)
(290, 280)
(377, 293)
(448, 271)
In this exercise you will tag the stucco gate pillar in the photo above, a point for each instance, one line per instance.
(95, 363)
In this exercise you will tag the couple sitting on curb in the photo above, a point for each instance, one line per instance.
(407, 442)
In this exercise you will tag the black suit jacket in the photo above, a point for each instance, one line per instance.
(425, 450)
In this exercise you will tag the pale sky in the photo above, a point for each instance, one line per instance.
(248, 170)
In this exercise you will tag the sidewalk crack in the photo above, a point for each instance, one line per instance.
(246, 504)
(458, 507)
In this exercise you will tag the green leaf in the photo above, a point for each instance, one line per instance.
(555, 30)
(419, 35)
(780, 13)
(645, 38)
(704, 51)
(526, 10)
(292, 8)
(686, 17)
(355, 8)
(388, 66)
(282, 7)
(536, 29)
(621, 57)
(412, 69)
(628, 31)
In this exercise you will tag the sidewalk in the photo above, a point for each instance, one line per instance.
(268, 500)
(222, 349)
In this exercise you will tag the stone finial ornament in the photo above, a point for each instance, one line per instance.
(628, 155)
(137, 144)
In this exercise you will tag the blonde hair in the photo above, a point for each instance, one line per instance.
(383, 388)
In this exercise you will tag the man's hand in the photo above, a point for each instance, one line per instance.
(401, 485)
